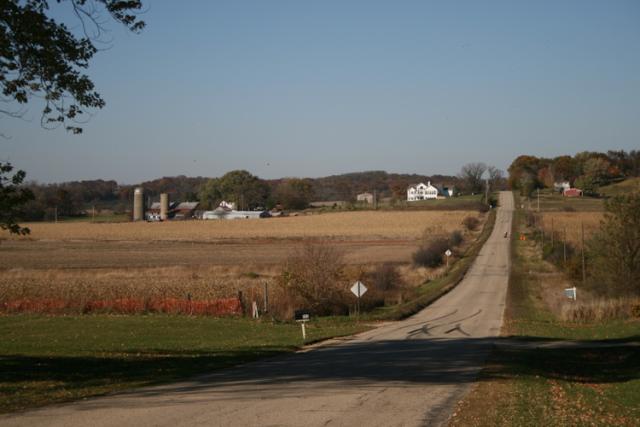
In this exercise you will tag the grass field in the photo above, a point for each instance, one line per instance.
(55, 359)
(546, 371)
(570, 224)
(624, 187)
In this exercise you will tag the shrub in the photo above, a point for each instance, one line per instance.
(482, 208)
(471, 223)
(386, 277)
(602, 309)
(314, 277)
(430, 255)
(455, 239)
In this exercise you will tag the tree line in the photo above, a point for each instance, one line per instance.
(246, 190)
(587, 170)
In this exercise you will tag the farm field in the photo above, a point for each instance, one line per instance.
(551, 201)
(341, 225)
(205, 260)
(572, 222)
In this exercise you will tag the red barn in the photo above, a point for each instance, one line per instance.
(572, 192)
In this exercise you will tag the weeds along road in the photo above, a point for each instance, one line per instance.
(405, 373)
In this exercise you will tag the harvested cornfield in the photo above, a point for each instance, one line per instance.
(342, 225)
(186, 266)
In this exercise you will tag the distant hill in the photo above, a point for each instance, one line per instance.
(347, 186)
(624, 187)
(335, 187)
(78, 197)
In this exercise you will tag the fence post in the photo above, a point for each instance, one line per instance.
(241, 302)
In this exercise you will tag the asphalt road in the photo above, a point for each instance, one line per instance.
(405, 373)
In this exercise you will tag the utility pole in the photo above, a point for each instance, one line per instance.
(564, 246)
(486, 192)
(55, 214)
(584, 271)
(538, 193)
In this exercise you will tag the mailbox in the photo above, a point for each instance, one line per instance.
(302, 315)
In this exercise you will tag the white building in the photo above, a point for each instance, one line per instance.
(365, 197)
(561, 186)
(422, 192)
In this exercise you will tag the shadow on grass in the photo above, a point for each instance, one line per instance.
(412, 362)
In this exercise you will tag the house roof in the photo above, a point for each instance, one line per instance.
(421, 183)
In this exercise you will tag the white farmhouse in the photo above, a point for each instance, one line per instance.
(422, 192)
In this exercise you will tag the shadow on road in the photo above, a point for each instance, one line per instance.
(366, 364)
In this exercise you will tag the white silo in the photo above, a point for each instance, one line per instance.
(138, 204)
(164, 206)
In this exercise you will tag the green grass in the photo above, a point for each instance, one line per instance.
(54, 359)
(594, 384)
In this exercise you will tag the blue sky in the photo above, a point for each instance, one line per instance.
(313, 88)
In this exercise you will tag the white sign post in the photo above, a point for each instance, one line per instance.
(448, 253)
(358, 289)
(571, 293)
(302, 317)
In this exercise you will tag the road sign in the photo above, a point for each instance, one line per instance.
(448, 254)
(358, 289)
(571, 293)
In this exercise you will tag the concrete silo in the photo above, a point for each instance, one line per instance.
(138, 204)
(164, 206)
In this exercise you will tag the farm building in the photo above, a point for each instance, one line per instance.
(422, 192)
(227, 205)
(223, 211)
(561, 186)
(153, 213)
(365, 198)
(185, 210)
(445, 191)
(572, 192)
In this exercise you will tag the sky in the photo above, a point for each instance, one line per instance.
(316, 88)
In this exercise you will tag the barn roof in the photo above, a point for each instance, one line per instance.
(187, 206)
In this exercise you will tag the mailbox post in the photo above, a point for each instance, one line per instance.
(302, 316)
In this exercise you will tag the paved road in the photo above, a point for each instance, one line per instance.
(405, 373)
